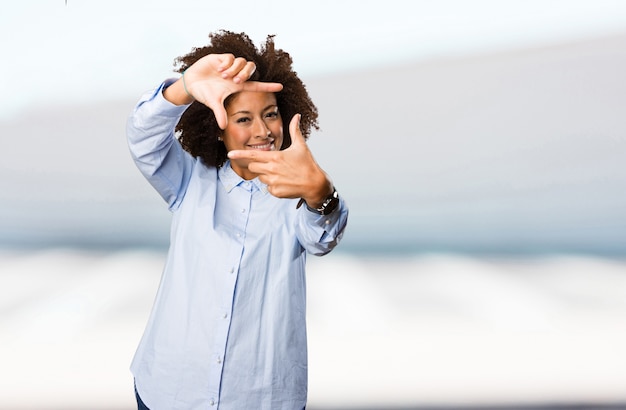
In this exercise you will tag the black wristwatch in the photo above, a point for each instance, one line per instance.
(329, 204)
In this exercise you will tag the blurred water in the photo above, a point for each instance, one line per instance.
(384, 332)
(520, 151)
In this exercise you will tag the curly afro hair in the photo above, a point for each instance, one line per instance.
(198, 130)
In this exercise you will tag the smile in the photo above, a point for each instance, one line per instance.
(268, 146)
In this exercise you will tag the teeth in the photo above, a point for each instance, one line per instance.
(263, 146)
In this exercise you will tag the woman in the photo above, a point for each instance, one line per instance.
(224, 145)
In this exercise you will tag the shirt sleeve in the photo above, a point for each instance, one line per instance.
(319, 234)
(154, 147)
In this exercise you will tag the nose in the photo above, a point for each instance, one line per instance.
(260, 129)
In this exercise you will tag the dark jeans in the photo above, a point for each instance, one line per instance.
(140, 404)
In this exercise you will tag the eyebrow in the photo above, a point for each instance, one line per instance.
(263, 110)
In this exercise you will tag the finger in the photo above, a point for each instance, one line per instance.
(261, 168)
(261, 86)
(245, 73)
(294, 130)
(252, 155)
(220, 116)
(226, 60)
(238, 64)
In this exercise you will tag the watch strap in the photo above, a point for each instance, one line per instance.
(329, 204)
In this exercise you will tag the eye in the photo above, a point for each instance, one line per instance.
(242, 120)
(272, 114)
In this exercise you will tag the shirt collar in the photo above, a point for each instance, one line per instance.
(230, 179)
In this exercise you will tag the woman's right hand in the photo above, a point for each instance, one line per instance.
(214, 77)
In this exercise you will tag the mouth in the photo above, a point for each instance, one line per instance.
(268, 145)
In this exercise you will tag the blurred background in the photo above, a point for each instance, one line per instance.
(481, 148)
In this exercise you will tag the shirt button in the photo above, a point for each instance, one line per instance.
(238, 235)
(327, 222)
(225, 315)
(243, 210)
(232, 270)
(219, 360)
(212, 402)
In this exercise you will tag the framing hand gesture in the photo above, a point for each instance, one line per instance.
(211, 79)
(292, 172)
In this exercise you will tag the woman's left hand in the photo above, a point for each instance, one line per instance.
(292, 172)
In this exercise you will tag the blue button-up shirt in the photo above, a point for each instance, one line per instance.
(227, 329)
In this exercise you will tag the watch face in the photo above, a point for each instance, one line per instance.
(330, 204)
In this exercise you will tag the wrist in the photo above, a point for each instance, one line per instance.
(329, 204)
(176, 93)
(317, 197)
(324, 207)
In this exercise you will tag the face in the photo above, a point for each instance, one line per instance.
(253, 123)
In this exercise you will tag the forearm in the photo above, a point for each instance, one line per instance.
(177, 94)
(320, 234)
(319, 189)
(150, 127)
(153, 146)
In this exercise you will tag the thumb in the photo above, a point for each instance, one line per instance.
(294, 130)
(216, 105)
(220, 115)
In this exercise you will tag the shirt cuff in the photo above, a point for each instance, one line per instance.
(327, 222)
(159, 106)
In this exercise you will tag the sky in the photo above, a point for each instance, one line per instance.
(58, 52)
